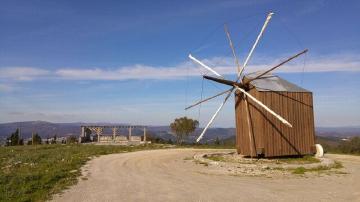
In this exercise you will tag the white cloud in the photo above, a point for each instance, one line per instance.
(223, 65)
(124, 73)
(6, 88)
(22, 73)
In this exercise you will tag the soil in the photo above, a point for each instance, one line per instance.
(173, 175)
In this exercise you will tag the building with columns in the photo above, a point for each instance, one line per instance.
(95, 133)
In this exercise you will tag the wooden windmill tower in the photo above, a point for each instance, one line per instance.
(273, 116)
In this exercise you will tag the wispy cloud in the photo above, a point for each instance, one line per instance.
(223, 65)
(22, 73)
(6, 87)
(125, 73)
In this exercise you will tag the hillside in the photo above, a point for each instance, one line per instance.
(48, 129)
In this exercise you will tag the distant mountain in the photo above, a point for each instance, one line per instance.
(328, 141)
(338, 131)
(48, 129)
(44, 129)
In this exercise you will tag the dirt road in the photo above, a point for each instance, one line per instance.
(166, 175)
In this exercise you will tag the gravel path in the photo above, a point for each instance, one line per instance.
(166, 175)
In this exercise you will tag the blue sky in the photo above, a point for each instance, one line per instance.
(126, 61)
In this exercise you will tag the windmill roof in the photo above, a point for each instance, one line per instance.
(270, 82)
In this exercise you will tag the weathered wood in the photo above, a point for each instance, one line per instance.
(270, 135)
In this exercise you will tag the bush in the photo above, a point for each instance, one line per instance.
(14, 139)
(350, 147)
(36, 138)
(182, 127)
(71, 140)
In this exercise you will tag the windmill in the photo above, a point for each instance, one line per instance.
(241, 86)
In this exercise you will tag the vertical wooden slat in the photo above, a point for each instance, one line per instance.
(305, 109)
(277, 139)
(271, 131)
(285, 114)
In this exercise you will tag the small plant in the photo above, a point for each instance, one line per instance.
(337, 165)
(307, 159)
(302, 170)
(188, 158)
(299, 170)
(215, 158)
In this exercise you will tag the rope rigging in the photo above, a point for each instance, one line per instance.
(202, 46)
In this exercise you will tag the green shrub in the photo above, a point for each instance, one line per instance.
(350, 147)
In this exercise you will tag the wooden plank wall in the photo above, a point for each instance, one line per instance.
(269, 134)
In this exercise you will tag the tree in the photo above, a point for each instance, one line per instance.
(183, 127)
(350, 147)
(217, 141)
(36, 139)
(14, 139)
(53, 141)
(71, 139)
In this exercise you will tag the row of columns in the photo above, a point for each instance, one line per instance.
(99, 131)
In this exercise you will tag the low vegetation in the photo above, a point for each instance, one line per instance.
(14, 139)
(216, 158)
(290, 160)
(182, 127)
(350, 146)
(302, 170)
(33, 173)
(299, 165)
(300, 160)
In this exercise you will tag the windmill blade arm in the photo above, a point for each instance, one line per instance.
(265, 107)
(205, 66)
(207, 99)
(255, 44)
(214, 116)
(249, 126)
(278, 65)
(232, 48)
(223, 81)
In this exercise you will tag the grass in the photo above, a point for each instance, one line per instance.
(302, 170)
(34, 173)
(293, 160)
(200, 162)
(216, 158)
(300, 160)
(299, 170)
(207, 146)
